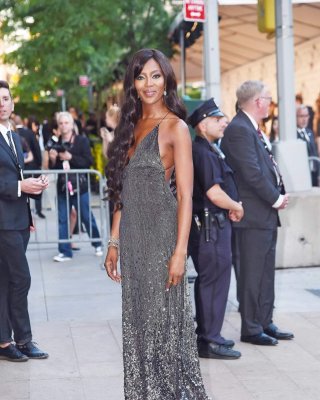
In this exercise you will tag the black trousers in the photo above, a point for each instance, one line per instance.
(15, 283)
(236, 259)
(38, 204)
(212, 261)
(314, 178)
(257, 271)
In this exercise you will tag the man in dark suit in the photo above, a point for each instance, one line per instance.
(299, 102)
(32, 141)
(306, 134)
(36, 163)
(262, 193)
(15, 226)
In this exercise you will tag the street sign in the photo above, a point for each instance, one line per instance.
(194, 10)
(60, 92)
(84, 80)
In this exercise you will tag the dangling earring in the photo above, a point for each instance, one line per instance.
(164, 92)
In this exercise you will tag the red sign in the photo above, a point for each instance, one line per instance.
(84, 80)
(194, 10)
(60, 92)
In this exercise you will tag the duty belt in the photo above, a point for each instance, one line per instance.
(206, 218)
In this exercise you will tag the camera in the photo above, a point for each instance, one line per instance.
(53, 143)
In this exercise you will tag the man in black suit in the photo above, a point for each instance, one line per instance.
(306, 134)
(262, 194)
(15, 226)
(36, 163)
(32, 141)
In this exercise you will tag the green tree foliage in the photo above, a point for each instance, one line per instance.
(56, 41)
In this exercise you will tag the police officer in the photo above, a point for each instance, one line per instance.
(215, 203)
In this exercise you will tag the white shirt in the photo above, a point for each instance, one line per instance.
(256, 127)
(4, 130)
(304, 133)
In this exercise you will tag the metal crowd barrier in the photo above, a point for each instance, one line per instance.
(47, 230)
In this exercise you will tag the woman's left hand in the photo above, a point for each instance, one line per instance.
(176, 270)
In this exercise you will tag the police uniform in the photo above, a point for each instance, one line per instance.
(210, 236)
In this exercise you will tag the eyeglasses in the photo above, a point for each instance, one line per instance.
(269, 98)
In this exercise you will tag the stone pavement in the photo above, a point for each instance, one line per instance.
(76, 317)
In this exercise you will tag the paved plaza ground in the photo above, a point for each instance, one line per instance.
(76, 317)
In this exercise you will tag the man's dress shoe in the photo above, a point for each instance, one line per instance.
(261, 339)
(32, 351)
(228, 343)
(12, 353)
(217, 351)
(273, 331)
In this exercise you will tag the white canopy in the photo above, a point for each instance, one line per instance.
(240, 40)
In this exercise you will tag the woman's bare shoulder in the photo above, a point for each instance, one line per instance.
(175, 127)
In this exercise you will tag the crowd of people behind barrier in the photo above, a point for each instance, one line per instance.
(65, 143)
(100, 132)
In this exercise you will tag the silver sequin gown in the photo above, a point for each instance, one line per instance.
(159, 348)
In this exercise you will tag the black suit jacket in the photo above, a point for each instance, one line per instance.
(311, 143)
(14, 210)
(254, 173)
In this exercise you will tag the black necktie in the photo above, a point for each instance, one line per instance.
(274, 163)
(304, 135)
(12, 147)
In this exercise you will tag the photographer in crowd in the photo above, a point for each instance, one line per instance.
(72, 151)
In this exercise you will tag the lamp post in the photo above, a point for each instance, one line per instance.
(291, 154)
(212, 51)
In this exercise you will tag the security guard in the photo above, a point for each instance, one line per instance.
(215, 203)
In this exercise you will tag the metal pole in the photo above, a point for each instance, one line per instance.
(63, 103)
(90, 97)
(212, 51)
(291, 154)
(182, 61)
(285, 70)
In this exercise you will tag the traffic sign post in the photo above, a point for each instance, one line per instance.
(61, 93)
(194, 10)
(212, 52)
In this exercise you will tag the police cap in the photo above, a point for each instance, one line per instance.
(206, 109)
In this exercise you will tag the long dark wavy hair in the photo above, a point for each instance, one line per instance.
(131, 112)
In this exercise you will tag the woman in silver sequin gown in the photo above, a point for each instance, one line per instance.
(159, 348)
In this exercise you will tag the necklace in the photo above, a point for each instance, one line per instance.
(162, 117)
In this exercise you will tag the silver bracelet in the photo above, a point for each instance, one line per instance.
(113, 242)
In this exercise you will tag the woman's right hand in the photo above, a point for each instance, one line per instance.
(53, 154)
(110, 264)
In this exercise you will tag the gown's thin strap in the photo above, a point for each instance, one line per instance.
(157, 126)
